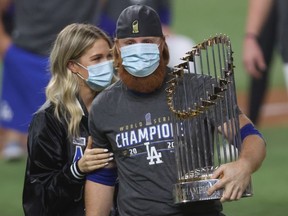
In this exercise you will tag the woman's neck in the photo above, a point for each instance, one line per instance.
(87, 96)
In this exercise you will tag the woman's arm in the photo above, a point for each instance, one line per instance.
(50, 164)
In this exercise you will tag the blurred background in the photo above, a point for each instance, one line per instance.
(199, 20)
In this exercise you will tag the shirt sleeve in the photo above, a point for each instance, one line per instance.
(95, 126)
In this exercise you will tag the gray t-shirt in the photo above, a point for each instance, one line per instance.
(138, 129)
(37, 23)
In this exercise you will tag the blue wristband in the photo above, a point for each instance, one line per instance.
(247, 130)
(106, 176)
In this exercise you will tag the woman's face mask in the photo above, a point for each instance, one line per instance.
(140, 59)
(99, 75)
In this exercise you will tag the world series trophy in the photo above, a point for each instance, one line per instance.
(202, 98)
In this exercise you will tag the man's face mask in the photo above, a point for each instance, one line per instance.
(99, 75)
(140, 59)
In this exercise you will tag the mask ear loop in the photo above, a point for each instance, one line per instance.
(81, 65)
(77, 73)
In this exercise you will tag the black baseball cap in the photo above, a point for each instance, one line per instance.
(138, 21)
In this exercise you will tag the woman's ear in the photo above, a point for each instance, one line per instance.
(116, 53)
(72, 67)
(117, 46)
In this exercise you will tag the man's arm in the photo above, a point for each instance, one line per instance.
(258, 11)
(235, 176)
(98, 199)
(253, 149)
(4, 37)
(253, 60)
(99, 191)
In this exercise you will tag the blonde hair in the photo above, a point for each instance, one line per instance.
(63, 87)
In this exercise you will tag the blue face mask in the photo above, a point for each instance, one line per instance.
(99, 75)
(141, 59)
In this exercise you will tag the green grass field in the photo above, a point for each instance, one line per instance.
(269, 183)
(11, 184)
(200, 20)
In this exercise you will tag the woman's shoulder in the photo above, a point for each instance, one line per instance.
(46, 110)
(45, 117)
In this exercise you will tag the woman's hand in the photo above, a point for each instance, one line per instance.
(94, 158)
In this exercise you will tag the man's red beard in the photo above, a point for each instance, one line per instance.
(143, 84)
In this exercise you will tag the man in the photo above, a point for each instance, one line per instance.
(265, 30)
(177, 43)
(132, 119)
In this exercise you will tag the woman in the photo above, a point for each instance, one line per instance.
(59, 154)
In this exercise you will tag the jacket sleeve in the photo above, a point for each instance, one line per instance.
(49, 172)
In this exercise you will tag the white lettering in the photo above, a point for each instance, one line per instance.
(152, 132)
(133, 138)
(165, 131)
(153, 154)
(125, 139)
(142, 134)
(117, 141)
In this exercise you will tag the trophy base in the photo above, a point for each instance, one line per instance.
(197, 190)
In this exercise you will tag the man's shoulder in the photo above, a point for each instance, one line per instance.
(111, 92)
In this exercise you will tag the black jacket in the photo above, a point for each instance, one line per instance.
(52, 187)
